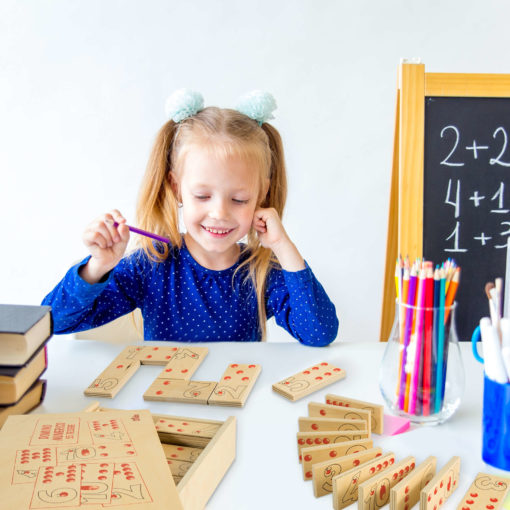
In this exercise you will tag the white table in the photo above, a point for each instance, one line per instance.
(266, 473)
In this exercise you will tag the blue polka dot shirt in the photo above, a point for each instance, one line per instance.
(182, 301)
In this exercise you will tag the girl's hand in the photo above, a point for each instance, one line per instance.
(272, 235)
(106, 244)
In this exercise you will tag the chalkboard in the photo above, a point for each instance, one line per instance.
(450, 185)
(466, 205)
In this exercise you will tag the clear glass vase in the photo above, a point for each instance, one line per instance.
(422, 375)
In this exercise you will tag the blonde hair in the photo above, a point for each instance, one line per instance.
(226, 132)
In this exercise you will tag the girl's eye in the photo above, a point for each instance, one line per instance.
(236, 201)
(201, 197)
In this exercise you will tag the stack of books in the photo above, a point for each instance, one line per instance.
(24, 331)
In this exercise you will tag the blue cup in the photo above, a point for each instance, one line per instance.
(496, 418)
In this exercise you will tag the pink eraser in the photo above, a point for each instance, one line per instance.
(394, 425)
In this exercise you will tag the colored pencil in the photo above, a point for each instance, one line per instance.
(427, 348)
(407, 335)
(418, 340)
(143, 232)
(440, 344)
(452, 291)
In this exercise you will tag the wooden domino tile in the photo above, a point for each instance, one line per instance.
(316, 409)
(487, 492)
(113, 378)
(309, 380)
(184, 363)
(235, 385)
(175, 390)
(376, 410)
(345, 485)
(176, 452)
(322, 453)
(322, 473)
(407, 493)
(185, 431)
(439, 489)
(306, 424)
(307, 439)
(375, 492)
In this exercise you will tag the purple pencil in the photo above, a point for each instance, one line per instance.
(407, 335)
(144, 233)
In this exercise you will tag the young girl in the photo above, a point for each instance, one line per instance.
(224, 169)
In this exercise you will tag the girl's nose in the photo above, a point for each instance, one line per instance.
(219, 210)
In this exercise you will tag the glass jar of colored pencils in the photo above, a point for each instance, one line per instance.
(422, 375)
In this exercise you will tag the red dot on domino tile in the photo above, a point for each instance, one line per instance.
(174, 348)
(102, 477)
(372, 470)
(185, 423)
(180, 430)
(64, 494)
(308, 458)
(379, 466)
(309, 441)
(336, 369)
(385, 464)
(240, 372)
(168, 357)
(328, 401)
(168, 370)
(130, 452)
(195, 394)
(103, 471)
(155, 348)
(435, 491)
(251, 366)
(60, 473)
(406, 498)
(333, 454)
(326, 440)
(138, 348)
(246, 379)
(306, 372)
(103, 454)
(318, 440)
(315, 426)
(96, 385)
(322, 412)
(220, 393)
(324, 364)
(490, 507)
(406, 469)
(407, 489)
(429, 498)
(401, 472)
(412, 465)
(474, 494)
(406, 507)
(494, 500)
(391, 460)
(356, 462)
(441, 502)
(441, 485)
(174, 455)
(130, 477)
(227, 377)
(318, 378)
(309, 474)
(234, 365)
(469, 501)
(149, 356)
(159, 392)
(395, 476)
(166, 383)
(120, 366)
(327, 373)
(315, 368)
(184, 371)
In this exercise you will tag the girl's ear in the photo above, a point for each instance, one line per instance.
(175, 186)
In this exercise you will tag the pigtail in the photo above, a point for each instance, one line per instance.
(157, 209)
(262, 260)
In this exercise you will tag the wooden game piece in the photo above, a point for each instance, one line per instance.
(307, 424)
(113, 378)
(309, 380)
(184, 363)
(185, 431)
(64, 453)
(316, 409)
(439, 489)
(235, 385)
(322, 473)
(178, 467)
(307, 439)
(345, 485)
(325, 452)
(375, 492)
(176, 452)
(487, 492)
(407, 492)
(175, 390)
(376, 410)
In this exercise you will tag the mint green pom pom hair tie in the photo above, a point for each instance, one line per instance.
(183, 103)
(257, 105)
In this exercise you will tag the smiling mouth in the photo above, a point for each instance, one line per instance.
(219, 232)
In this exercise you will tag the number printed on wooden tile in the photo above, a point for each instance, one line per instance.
(487, 492)
(375, 492)
(376, 410)
(407, 493)
(309, 380)
(322, 473)
(235, 384)
(439, 489)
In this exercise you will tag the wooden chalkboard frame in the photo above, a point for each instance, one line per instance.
(405, 221)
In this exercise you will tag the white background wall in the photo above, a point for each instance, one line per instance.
(82, 91)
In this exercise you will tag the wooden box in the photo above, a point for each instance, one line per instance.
(217, 439)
